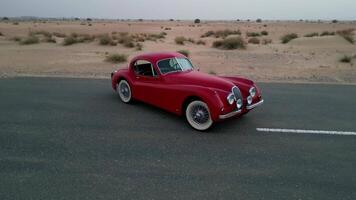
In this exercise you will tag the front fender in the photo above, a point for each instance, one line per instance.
(210, 96)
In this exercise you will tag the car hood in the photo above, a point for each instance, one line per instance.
(200, 79)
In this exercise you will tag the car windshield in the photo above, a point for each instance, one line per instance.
(174, 65)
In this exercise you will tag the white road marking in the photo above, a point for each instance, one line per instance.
(279, 130)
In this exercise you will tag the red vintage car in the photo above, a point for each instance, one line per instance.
(169, 81)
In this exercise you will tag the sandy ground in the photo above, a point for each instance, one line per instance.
(302, 60)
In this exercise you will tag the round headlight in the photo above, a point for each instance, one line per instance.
(231, 98)
(239, 103)
(252, 91)
(249, 100)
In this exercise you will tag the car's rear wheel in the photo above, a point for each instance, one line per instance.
(124, 90)
(198, 115)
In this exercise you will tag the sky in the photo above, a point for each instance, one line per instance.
(183, 9)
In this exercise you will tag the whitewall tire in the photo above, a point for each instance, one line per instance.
(198, 115)
(124, 90)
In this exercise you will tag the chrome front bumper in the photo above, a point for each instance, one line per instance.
(250, 107)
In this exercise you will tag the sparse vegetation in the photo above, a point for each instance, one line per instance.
(288, 37)
(264, 33)
(200, 42)
(105, 40)
(221, 33)
(184, 52)
(252, 34)
(230, 43)
(16, 39)
(16, 23)
(254, 40)
(266, 41)
(259, 20)
(347, 34)
(69, 40)
(30, 40)
(346, 59)
(116, 58)
(327, 33)
(60, 35)
(139, 46)
(315, 34)
(180, 40)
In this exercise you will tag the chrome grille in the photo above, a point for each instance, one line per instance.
(236, 91)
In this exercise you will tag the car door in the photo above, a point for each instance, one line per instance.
(147, 82)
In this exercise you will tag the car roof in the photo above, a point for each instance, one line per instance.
(156, 56)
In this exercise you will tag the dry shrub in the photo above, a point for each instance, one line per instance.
(347, 34)
(252, 34)
(60, 35)
(264, 33)
(327, 33)
(200, 42)
(266, 41)
(346, 59)
(30, 40)
(230, 43)
(221, 33)
(180, 40)
(315, 34)
(116, 58)
(254, 40)
(288, 37)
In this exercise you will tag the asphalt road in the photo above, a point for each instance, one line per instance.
(74, 139)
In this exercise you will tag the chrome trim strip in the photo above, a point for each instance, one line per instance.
(254, 105)
(230, 114)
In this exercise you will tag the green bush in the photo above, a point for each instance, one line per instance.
(197, 21)
(254, 40)
(184, 52)
(180, 40)
(116, 58)
(315, 34)
(288, 37)
(29, 40)
(230, 43)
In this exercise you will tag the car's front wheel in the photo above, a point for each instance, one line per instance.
(198, 115)
(124, 90)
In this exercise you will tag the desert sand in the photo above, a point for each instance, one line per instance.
(304, 59)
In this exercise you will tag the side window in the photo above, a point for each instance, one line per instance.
(144, 68)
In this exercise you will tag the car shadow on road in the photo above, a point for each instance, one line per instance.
(169, 121)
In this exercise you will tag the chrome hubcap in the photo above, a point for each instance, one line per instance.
(200, 114)
(124, 89)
